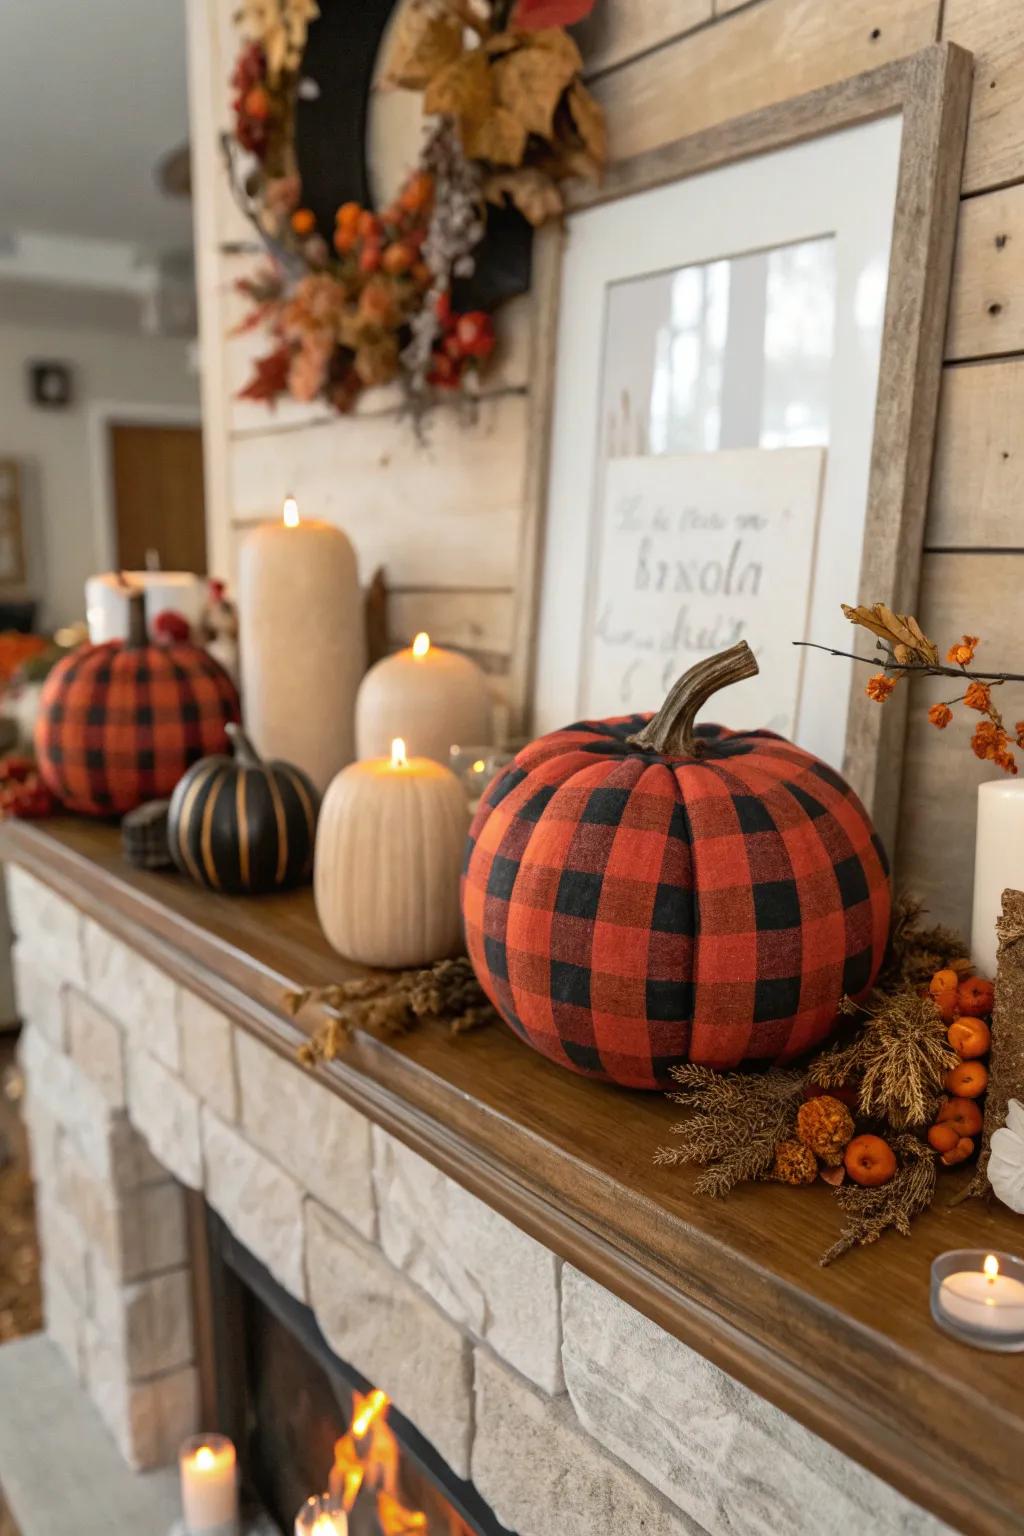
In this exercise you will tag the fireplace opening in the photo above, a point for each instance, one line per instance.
(306, 1422)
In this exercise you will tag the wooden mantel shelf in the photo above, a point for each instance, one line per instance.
(850, 1351)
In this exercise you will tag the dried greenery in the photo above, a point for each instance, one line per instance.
(393, 1004)
(871, 1212)
(895, 1055)
(897, 1062)
(739, 1120)
(915, 952)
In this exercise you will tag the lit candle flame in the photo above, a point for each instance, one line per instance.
(205, 1458)
(290, 513)
(991, 1267)
(398, 757)
(421, 644)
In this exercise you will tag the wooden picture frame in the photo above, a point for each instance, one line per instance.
(12, 536)
(930, 92)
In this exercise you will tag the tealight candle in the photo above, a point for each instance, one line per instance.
(998, 862)
(322, 1516)
(209, 1486)
(430, 696)
(979, 1298)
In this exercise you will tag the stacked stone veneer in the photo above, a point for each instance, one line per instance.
(570, 1411)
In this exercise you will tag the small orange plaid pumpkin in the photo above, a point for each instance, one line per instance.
(120, 723)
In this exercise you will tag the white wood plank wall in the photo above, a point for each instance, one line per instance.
(445, 521)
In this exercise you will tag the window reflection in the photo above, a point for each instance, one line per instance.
(732, 354)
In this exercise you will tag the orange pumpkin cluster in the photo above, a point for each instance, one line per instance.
(964, 1004)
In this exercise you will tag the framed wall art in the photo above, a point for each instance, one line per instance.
(739, 347)
(12, 538)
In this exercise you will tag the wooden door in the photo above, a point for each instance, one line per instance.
(157, 474)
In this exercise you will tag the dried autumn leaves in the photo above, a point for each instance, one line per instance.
(908, 652)
(516, 98)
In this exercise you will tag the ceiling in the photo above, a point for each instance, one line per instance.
(92, 94)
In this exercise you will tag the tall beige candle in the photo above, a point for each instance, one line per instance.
(302, 643)
(434, 699)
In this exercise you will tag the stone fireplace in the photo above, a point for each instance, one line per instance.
(527, 1386)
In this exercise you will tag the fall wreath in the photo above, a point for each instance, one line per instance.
(381, 295)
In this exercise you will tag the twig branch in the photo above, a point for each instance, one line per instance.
(918, 667)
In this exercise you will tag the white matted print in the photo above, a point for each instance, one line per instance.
(738, 309)
(695, 552)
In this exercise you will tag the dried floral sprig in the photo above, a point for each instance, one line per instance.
(892, 1206)
(898, 1061)
(738, 1122)
(393, 1004)
(907, 651)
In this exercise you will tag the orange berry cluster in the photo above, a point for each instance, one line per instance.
(964, 1004)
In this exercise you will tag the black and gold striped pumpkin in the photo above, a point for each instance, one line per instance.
(239, 824)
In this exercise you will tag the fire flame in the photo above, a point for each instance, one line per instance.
(421, 644)
(367, 1457)
(991, 1267)
(371, 1410)
(398, 754)
(290, 512)
(205, 1458)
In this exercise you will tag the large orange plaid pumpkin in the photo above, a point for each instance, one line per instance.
(119, 723)
(629, 906)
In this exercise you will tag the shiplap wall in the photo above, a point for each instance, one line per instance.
(445, 520)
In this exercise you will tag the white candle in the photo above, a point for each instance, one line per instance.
(998, 862)
(209, 1486)
(302, 643)
(323, 1516)
(434, 698)
(106, 600)
(984, 1299)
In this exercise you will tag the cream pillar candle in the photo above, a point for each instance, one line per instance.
(302, 643)
(433, 698)
(209, 1486)
(998, 863)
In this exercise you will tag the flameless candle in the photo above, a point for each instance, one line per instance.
(979, 1298)
(998, 862)
(322, 1516)
(209, 1486)
(432, 697)
(302, 642)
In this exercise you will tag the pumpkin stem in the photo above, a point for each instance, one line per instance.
(137, 634)
(242, 748)
(671, 729)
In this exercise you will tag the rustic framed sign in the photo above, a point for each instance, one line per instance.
(738, 350)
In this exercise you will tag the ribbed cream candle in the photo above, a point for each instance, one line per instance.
(303, 643)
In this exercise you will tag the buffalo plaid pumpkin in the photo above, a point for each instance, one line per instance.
(119, 723)
(636, 896)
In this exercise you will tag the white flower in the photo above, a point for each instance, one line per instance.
(1006, 1163)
